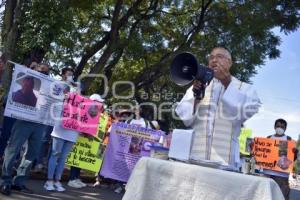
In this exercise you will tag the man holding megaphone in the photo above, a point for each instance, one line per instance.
(217, 114)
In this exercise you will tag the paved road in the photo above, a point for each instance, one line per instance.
(85, 193)
(73, 194)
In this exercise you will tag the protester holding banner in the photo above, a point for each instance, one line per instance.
(22, 131)
(62, 143)
(281, 178)
(140, 121)
(74, 179)
(227, 103)
(8, 122)
(67, 76)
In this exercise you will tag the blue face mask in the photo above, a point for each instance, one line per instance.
(70, 79)
(279, 131)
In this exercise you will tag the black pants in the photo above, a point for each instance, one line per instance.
(283, 183)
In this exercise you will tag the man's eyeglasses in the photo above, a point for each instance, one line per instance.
(217, 56)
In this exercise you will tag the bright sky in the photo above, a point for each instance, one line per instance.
(278, 86)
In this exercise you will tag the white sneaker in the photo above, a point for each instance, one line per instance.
(74, 184)
(80, 183)
(59, 187)
(49, 186)
(118, 190)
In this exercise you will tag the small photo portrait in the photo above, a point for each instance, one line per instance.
(27, 87)
(135, 146)
(249, 141)
(94, 109)
(283, 161)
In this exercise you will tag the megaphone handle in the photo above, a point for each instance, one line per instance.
(198, 94)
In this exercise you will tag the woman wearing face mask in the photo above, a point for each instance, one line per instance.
(67, 76)
(281, 178)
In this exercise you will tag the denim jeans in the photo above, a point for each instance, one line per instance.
(74, 173)
(8, 123)
(59, 154)
(44, 149)
(22, 131)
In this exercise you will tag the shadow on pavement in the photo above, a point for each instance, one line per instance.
(73, 194)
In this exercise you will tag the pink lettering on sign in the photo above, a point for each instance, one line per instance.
(81, 114)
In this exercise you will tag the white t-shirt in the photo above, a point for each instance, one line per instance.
(139, 122)
(60, 132)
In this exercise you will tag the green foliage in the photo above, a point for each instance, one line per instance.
(136, 40)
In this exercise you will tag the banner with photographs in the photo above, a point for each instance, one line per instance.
(127, 144)
(33, 96)
(273, 154)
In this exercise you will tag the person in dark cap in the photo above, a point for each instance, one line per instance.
(25, 95)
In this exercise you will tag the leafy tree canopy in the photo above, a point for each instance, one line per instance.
(135, 40)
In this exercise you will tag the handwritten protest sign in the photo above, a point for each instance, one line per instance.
(81, 114)
(273, 154)
(32, 96)
(86, 154)
(127, 144)
(244, 143)
(103, 124)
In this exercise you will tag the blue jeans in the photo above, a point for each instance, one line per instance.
(59, 154)
(21, 132)
(44, 149)
(74, 173)
(8, 123)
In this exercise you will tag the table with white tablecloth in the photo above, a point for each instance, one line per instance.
(154, 179)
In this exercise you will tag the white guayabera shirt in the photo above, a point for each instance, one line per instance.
(218, 119)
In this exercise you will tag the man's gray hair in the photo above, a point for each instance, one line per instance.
(228, 54)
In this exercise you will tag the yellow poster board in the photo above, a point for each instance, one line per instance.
(86, 154)
(103, 122)
(245, 133)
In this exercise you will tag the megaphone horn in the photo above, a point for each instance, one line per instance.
(184, 68)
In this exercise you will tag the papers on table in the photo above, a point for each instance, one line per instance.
(181, 144)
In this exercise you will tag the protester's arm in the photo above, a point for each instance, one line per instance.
(240, 103)
(185, 107)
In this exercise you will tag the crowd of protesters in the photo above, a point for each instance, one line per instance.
(27, 146)
(32, 147)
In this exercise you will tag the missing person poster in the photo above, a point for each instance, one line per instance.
(81, 114)
(273, 154)
(127, 144)
(32, 96)
(87, 153)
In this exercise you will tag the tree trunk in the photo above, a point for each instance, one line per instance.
(10, 34)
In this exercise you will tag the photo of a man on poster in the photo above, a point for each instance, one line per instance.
(135, 146)
(25, 95)
(283, 161)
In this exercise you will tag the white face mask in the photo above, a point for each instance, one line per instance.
(70, 78)
(279, 131)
